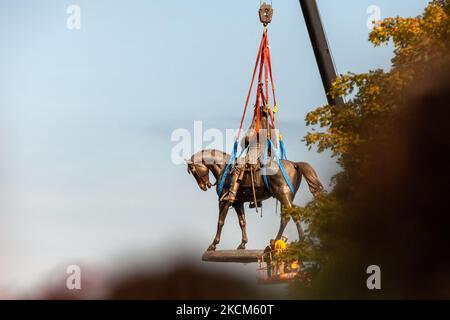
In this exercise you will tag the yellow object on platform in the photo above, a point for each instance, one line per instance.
(280, 246)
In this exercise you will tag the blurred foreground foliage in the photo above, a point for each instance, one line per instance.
(387, 204)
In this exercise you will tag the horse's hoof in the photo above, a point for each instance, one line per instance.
(211, 248)
(241, 246)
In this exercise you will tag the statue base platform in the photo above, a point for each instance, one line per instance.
(236, 256)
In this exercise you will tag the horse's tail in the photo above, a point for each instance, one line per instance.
(314, 184)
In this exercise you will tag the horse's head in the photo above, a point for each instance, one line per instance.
(200, 172)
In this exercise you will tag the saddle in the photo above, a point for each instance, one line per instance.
(247, 177)
(258, 182)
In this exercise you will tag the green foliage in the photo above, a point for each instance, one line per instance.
(320, 216)
(418, 42)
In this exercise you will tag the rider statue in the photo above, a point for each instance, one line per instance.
(255, 142)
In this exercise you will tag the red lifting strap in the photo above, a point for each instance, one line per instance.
(263, 60)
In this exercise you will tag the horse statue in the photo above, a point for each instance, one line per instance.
(214, 161)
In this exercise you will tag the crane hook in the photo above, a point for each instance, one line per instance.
(265, 13)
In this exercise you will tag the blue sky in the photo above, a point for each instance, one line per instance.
(86, 118)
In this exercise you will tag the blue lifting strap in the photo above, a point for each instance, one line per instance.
(280, 165)
(227, 168)
(283, 150)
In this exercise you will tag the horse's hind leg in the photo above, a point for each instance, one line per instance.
(301, 233)
(285, 219)
(241, 215)
(286, 203)
(283, 223)
(223, 210)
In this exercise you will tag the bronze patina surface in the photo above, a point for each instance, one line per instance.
(205, 162)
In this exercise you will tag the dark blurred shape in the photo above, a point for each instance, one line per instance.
(397, 214)
(183, 282)
(406, 193)
(94, 285)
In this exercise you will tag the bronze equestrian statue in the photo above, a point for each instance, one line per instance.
(248, 180)
(214, 161)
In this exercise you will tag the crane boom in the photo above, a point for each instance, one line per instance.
(321, 48)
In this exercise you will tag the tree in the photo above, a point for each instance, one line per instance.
(387, 205)
(418, 43)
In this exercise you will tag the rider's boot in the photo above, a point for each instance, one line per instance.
(230, 196)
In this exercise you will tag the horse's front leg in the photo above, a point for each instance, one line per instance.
(241, 215)
(223, 210)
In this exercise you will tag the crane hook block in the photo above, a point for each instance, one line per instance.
(265, 13)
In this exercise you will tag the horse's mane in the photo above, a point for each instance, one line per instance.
(213, 155)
